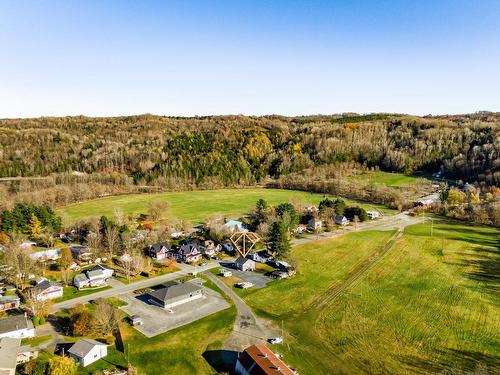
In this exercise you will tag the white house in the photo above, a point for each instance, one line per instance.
(244, 264)
(235, 226)
(17, 327)
(45, 289)
(87, 351)
(94, 277)
(341, 220)
(314, 223)
(373, 214)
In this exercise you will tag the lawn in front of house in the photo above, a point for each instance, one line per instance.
(429, 305)
(70, 291)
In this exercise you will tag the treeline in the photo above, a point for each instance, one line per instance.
(231, 150)
(23, 218)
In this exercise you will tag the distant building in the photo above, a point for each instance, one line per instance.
(173, 294)
(235, 226)
(16, 326)
(87, 351)
(188, 253)
(259, 359)
(373, 214)
(79, 252)
(45, 289)
(159, 250)
(9, 302)
(9, 348)
(314, 223)
(341, 220)
(244, 264)
(429, 200)
(44, 255)
(94, 277)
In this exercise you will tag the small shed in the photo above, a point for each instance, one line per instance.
(87, 351)
(244, 264)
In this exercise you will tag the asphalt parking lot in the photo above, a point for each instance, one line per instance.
(259, 280)
(157, 320)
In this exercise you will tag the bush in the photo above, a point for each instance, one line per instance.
(42, 320)
(36, 321)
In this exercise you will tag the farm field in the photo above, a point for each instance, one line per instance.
(387, 178)
(194, 206)
(429, 305)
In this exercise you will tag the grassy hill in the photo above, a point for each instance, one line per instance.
(430, 304)
(194, 206)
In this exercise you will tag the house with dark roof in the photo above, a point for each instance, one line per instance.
(87, 351)
(260, 360)
(188, 252)
(174, 293)
(159, 250)
(9, 302)
(341, 220)
(244, 264)
(16, 326)
(45, 289)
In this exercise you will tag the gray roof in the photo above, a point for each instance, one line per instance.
(14, 323)
(8, 299)
(9, 348)
(94, 274)
(81, 277)
(174, 289)
(82, 347)
(158, 246)
(242, 260)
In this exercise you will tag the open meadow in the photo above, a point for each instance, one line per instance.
(195, 206)
(429, 304)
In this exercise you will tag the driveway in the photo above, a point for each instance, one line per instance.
(259, 280)
(247, 329)
(157, 320)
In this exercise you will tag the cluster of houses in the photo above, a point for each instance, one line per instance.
(190, 250)
(315, 224)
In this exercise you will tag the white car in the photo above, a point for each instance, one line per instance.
(276, 340)
(244, 285)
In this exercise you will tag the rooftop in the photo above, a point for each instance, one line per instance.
(82, 347)
(14, 323)
(260, 360)
(174, 289)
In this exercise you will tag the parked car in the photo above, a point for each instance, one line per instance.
(244, 285)
(276, 340)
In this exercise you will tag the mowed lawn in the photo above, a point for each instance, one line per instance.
(194, 206)
(429, 305)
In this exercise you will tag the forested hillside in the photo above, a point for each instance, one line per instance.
(243, 150)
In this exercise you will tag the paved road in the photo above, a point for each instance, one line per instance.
(247, 329)
(386, 223)
(117, 290)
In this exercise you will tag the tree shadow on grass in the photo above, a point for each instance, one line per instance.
(221, 360)
(455, 361)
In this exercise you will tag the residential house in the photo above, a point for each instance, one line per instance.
(9, 347)
(189, 253)
(87, 351)
(314, 224)
(259, 359)
(94, 277)
(81, 253)
(373, 214)
(260, 256)
(9, 302)
(16, 326)
(174, 293)
(244, 264)
(429, 200)
(301, 228)
(210, 248)
(341, 220)
(235, 226)
(159, 250)
(45, 290)
(44, 255)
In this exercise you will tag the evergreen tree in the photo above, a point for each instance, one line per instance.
(279, 240)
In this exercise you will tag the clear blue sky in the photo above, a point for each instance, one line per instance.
(248, 56)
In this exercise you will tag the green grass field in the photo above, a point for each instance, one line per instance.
(194, 206)
(429, 305)
(70, 292)
(387, 178)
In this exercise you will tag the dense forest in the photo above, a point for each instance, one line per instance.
(155, 150)
(55, 161)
